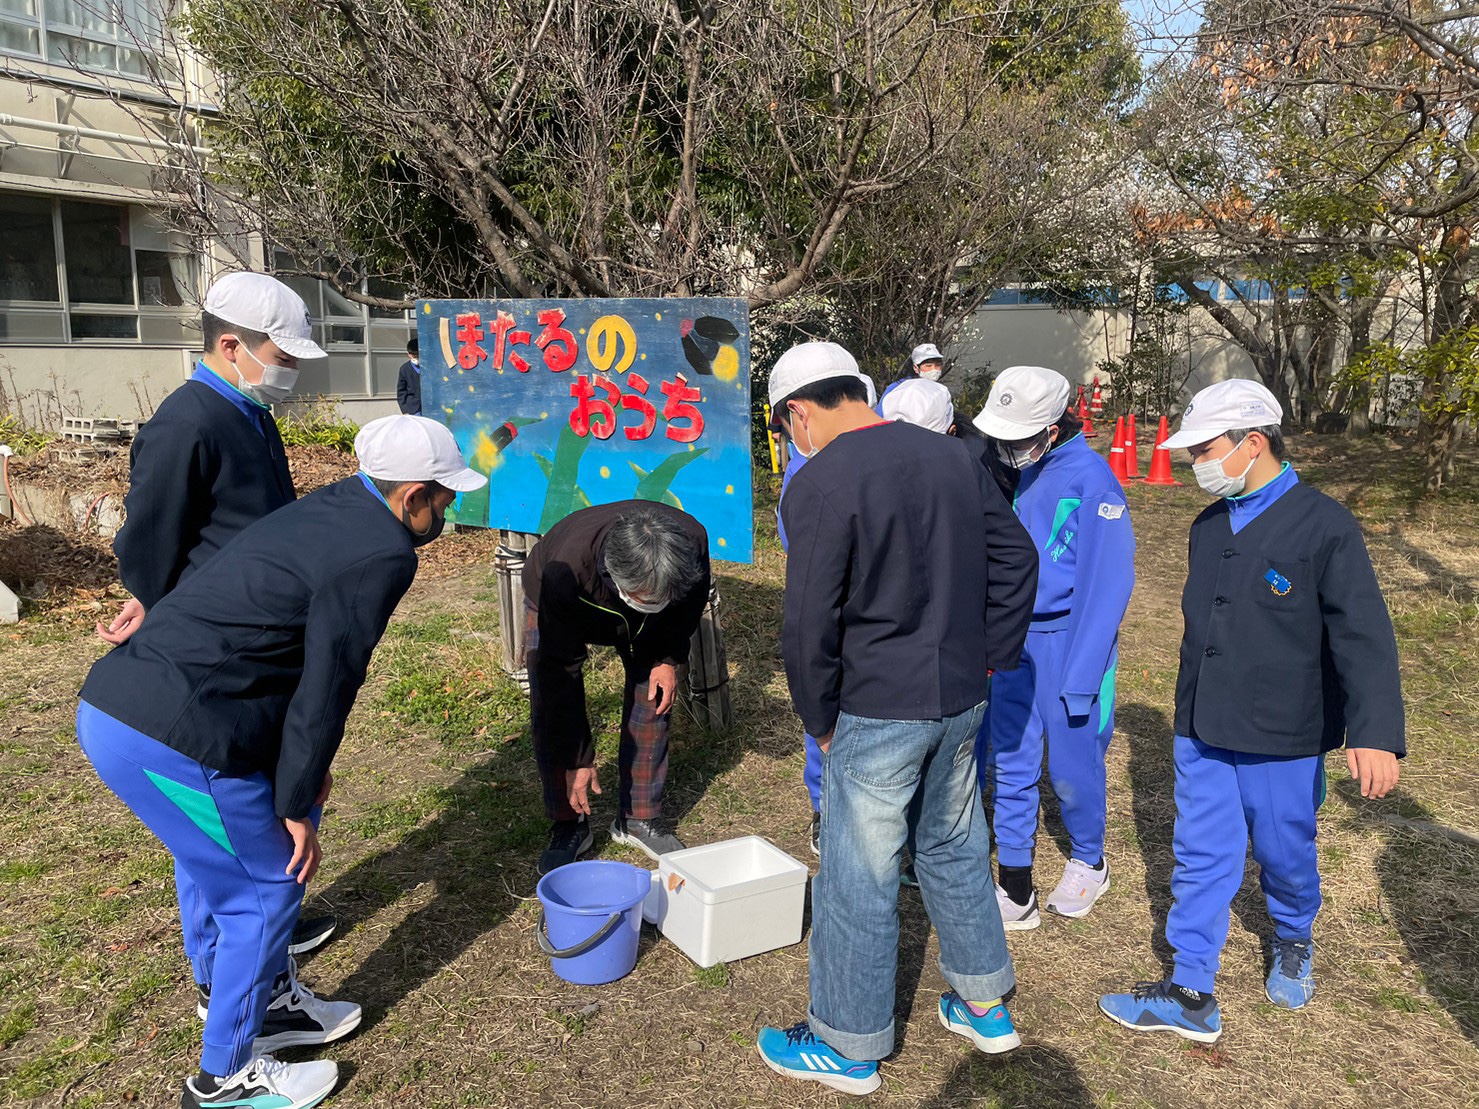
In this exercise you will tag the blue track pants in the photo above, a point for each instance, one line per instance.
(1026, 705)
(226, 838)
(1224, 798)
(813, 773)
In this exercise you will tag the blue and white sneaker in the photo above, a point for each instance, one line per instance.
(264, 1083)
(796, 1053)
(1155, 1007)
(994, 1033)
(1291, 978)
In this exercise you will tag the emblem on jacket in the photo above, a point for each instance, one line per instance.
(1278, 582)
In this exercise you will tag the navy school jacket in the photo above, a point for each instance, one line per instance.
(1288, 648)
(254, 665)
(908, 577)
(200, 472)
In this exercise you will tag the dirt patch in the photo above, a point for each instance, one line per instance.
(43, 564)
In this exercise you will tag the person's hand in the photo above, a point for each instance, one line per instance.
(1376, 770)
(576, 783)
(825, 741)
(662, 687)
(306, 852)
(323, 794)
(124, 624)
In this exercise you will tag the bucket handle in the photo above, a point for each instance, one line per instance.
(580, 948)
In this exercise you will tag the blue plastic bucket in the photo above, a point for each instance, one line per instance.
(592, 919)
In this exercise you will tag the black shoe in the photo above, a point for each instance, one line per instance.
(907, 878)
(296, 1016)
(816, 834)
(654, 838)
(309, 935)
(568, 840)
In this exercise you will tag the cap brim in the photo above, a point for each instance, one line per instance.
(1192, 436)
(298, 348)
(989, 423)
(465, 480)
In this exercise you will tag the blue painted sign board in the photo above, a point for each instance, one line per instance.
(570, 403)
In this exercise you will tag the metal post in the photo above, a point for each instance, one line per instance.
(508, 568)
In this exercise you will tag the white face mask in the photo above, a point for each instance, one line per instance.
(649, 607)
(933, 375)
(276, 384)
(795, 423)
(1020, 460)
(1215, 480)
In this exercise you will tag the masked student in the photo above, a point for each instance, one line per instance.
(1074, 508)
(217, 720)
(1287, 653)
(926, 363)
(908, 576)
(208, 463)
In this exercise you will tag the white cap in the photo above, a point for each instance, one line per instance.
(260, 302)
(413, 448)
(806, 364)
(1023, 401)
(917, 401)
(926, 352)
(1236, 403)
(872, 391)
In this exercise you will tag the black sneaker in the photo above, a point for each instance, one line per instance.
(907, 878)
(654, 838)
(296, 1016)
(264, 1081)
(568, 840)
(816, 834)
(309, 935)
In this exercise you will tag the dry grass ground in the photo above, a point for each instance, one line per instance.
(435, 826)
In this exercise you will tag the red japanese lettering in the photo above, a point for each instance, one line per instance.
(499, 328)
(556, 342)
(632, 402)
(588, 408)
(679, 394)
(470, 334)
(515, 359)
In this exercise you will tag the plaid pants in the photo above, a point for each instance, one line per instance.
(642, 758)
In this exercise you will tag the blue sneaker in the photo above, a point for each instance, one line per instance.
(993, 1033)
(1153, 1007)
(1291, 978)
(796, 1053)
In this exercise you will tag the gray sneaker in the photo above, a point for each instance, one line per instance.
(653, 837)
(1014, 917)
(1081, 886)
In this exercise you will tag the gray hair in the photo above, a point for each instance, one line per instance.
(1273, 433)
(648, 554)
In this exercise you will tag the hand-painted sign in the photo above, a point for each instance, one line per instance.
(569, 403)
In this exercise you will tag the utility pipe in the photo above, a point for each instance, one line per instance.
(76, 132)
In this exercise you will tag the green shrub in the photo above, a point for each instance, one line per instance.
(21, 439)
(319, 425)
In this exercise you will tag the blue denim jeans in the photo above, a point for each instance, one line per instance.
(878, 778)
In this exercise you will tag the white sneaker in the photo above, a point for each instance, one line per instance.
(298, 1017)
(1014, 917)
(1081, 886)
(265, 1081)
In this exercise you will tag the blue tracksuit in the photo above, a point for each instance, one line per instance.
(1074, 508)
(813, 772)
(1264, 776)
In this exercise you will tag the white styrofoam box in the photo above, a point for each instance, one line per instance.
(728, 900)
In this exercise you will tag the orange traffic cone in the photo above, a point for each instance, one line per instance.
(1160, 459)
(1096, 402)
(1117, 452)
(1078, 405)
(1132, 450)
(1083, 415)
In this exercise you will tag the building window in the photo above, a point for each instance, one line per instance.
(72, 271)
(108, 36)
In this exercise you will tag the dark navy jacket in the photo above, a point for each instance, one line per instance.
(255, 665)
(908, 577)
(1288, 648)
(201, 469)
(408, 389)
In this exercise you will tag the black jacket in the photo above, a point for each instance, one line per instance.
(908, 578)
(408, 389)
(255, 665)
(1288, 648)
(565, 579)
(199, 474)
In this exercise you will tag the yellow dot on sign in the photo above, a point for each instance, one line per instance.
(582, 331)
(723, 542)
(657, 315)
(690, 446)
(544, 415)
(426, 308)
(446, 378)
(642, 356)
(470, 389)
(729, 488)
(605, 471)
